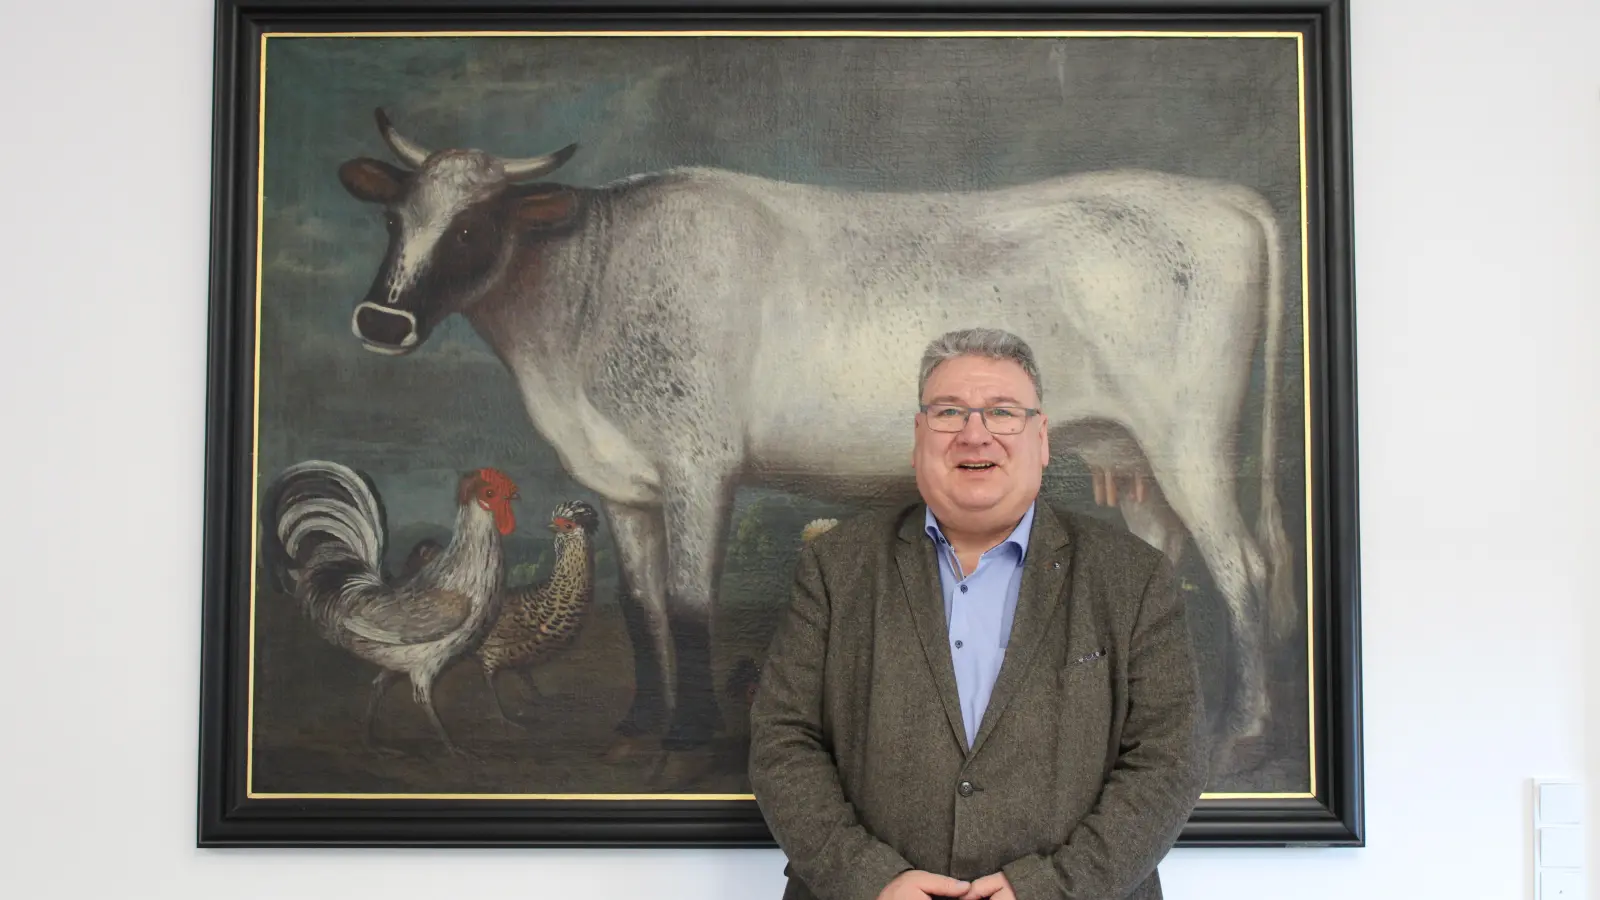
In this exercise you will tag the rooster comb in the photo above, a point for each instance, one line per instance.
(499, 481)
(495, 478)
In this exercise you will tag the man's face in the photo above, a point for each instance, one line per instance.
(974, 480)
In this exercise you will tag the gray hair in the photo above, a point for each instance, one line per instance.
(991, 343)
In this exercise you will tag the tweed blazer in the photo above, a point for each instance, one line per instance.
(1087, 763)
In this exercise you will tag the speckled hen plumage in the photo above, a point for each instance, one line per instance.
(540, 619)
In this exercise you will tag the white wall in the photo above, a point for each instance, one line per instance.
(1478, 205)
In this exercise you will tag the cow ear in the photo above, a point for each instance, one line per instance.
(544, 207)
(371, 180)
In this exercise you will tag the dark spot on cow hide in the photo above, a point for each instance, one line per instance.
(648, 367)
(1183, 269)
(468, 247)
(1112, 216)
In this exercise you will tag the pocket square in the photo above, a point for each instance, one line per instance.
(1090, 657)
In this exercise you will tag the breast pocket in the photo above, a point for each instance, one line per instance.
(1084, 681)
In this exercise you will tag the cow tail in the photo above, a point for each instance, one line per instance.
(1282, 611)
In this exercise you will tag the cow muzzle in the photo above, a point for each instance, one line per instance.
(384, 329)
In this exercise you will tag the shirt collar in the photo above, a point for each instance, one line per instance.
(1018, 537)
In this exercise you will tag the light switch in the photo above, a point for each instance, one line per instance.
(1555, 885)
(1560, 847)
(1560, 803)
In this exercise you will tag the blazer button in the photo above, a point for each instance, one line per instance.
(964, 789)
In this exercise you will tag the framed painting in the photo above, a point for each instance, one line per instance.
(543, 336)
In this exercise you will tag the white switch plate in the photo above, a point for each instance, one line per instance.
(1560, 803)
(1561, 884)
(1560, 846)
(1558, 815)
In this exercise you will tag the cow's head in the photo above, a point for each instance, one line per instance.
(454, 217)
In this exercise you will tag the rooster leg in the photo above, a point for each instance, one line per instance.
(424, 694)
(380, 686)
(494, 697)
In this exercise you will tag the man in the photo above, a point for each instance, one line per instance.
(978, 696)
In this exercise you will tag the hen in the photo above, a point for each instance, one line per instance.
(324, 532)
(545, 617)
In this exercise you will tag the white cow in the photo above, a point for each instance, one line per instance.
(677, 334)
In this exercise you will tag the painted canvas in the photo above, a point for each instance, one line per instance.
(566, 344)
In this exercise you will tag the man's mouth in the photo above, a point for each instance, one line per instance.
(975, 466)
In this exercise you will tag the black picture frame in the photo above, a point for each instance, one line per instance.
(227, 817)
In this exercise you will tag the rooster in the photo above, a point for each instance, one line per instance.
(324, 529)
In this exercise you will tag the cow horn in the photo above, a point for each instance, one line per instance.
(409, 153)
(535, 166)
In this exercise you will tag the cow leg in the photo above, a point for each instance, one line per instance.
(642, 561)
(1201, 493)
(699, 502)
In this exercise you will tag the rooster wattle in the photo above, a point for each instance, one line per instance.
(324, 535)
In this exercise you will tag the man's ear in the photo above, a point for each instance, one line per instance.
(543, 208)
(371, 180)
(913, 452)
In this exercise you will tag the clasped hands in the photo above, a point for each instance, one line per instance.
(919, 885)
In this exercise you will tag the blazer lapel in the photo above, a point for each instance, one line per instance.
(1044, 575)
(919, 576)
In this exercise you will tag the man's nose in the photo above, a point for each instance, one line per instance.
(974, 431)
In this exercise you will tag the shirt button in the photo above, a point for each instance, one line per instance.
(958, 645)
(964, 789)
(963, 589)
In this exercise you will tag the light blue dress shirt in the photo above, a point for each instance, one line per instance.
(978, 612)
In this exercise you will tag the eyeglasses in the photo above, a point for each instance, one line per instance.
(998, 419)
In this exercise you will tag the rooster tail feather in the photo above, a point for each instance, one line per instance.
(323, 529)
